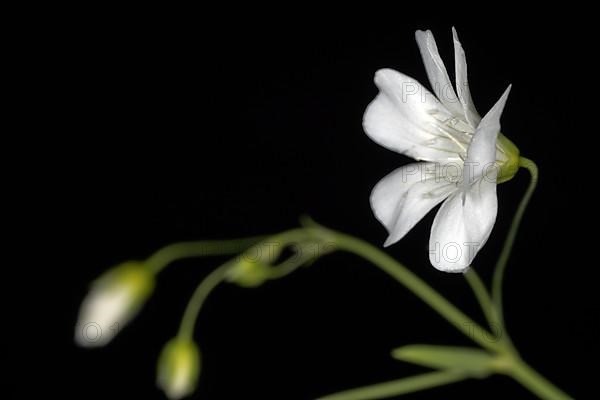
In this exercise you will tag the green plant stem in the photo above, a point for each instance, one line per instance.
(535, 382)
(516, 368)
(510, 238)
(201, 248)
(511, 365)
(415, 284)
(398, 387)
(483, 298)
(191, 249)
(188, 322)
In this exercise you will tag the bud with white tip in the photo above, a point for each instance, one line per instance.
(178, 368)
(114, 299)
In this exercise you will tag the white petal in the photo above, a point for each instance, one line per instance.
(103, 312)
(481, 154)
(436, 71)
(462, 226)
(405, 117)
(462, 83)
(406, 195)
(180, 384)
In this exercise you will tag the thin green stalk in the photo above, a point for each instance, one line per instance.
(512, 364)
(415, 284)
(510, 238)
(190, 315)
(398, 387)
(483, 297)
(201, 248)
(188, 322)
(535, 382)
(290, 265)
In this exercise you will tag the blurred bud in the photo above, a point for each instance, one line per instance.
(114, 299)
(178, 368)
(249, 273)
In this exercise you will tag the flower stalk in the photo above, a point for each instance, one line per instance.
(510, 238)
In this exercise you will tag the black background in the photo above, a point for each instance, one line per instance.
(167, 127)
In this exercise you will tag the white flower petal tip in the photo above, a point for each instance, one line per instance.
(442, 130)
(462, 83)
(436, 72)
(403, 197)
(390, 241)
(178, 368)
(113, 300)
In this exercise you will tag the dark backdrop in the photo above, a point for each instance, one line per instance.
(165, 129)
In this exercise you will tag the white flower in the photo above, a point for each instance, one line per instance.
(178, 368)
(114, 299)
(463, 153)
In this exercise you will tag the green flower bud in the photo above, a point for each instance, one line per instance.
(113, 300)
(178, 368)
(249, 273)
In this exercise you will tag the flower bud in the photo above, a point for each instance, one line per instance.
(178, 368)
(113, 300)
(249, 273)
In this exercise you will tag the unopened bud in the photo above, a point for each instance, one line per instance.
(113, 300)
(178, 368)
(249, 273)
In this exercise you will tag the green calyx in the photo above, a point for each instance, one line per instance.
(249, 273)
(178, 368)
(507, 158)
(133, 275)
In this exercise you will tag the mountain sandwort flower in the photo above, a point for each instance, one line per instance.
(463, 157)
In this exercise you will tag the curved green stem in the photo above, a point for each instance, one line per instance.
(415, 284)
(202, 248)
(188, 322)
(483, 297)
(511, 365)
(510, 238)
(514, 367)
(191, 249)
(398, 387)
